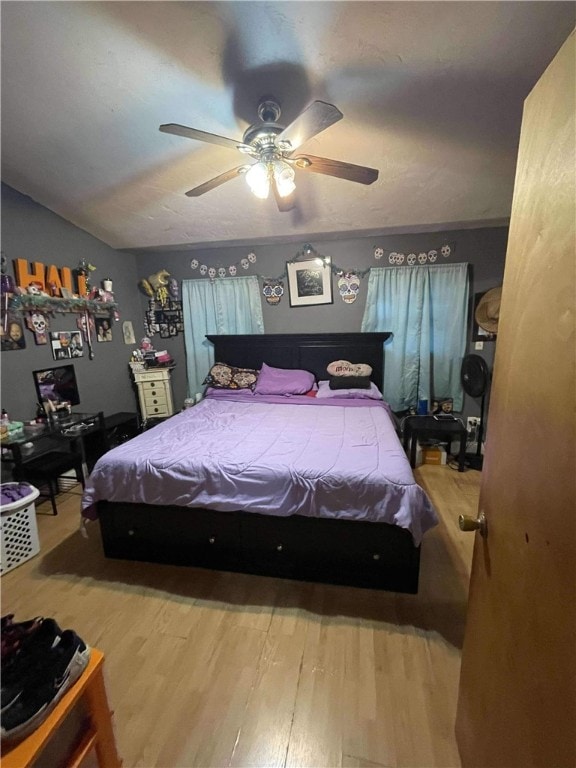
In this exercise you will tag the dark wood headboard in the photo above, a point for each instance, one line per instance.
(310, 351)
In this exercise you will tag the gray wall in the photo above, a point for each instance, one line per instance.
(32, 232)
(483, 249)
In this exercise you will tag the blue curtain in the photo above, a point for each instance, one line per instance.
(226, 305)
(426, 308)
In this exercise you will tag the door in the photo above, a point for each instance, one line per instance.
(518, 686)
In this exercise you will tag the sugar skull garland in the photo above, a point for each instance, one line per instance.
(411, 259)
(232, 270)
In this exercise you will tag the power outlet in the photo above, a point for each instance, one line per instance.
(472, 423)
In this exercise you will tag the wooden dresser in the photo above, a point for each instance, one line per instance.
(154, 393)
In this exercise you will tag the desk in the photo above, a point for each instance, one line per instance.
(91, 434)
(427, 427)
(98, 735)
(72, 429)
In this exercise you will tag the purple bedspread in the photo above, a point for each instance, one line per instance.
(341, 459)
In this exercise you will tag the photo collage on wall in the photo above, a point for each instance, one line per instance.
(166, 320)
(66, 344)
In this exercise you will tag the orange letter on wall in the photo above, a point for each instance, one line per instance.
(59, 279)
(23, 276)
(66, 275)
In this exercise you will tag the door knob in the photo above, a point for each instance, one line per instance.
(474, 524)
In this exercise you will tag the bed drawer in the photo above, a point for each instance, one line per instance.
(180, 536)
(337, 551)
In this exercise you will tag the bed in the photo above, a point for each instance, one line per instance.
(295, 486)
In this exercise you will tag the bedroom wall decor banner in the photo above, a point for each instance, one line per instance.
(412, 259)
(309, 283)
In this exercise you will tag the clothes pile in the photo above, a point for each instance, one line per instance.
(40, 662)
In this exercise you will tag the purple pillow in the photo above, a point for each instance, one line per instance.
(281, 381)
(373, 393)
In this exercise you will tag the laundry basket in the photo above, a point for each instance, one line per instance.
(18, 529)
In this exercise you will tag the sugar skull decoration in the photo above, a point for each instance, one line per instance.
(244, 263)
(232, 269)
(203, 269)
(348, 285)
(38, 323)
(378, 253)
(273, 291)
(212, 273)
(432, 255)
(446, 251)
(411, 259)
(422, 258)
(35, 288)
(252, 258)
(222, 272)
(194, 264)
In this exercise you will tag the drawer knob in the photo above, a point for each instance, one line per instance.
(279, 548)
(212, 540)
(376, 556)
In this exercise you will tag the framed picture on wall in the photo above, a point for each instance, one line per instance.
(11, 331)
(66, 344)
(309, 282)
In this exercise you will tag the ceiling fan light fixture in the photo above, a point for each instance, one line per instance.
(258, 179)
(284, 177)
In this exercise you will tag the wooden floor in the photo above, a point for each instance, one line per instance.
(218, 669)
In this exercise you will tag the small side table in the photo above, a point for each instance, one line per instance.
(426, 427)
(99, 735)
(154, 393)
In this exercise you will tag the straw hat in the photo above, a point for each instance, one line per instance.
(488, 310)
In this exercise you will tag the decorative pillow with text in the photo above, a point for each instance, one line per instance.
(344, 368)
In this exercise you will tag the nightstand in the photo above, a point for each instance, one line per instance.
(425, 427)
(154, 393)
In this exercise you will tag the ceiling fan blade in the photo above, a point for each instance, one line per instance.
(217, 181)
(286, 203)
(337, 168)
(210, 138)
(314, 119)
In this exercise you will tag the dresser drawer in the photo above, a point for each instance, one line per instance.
(155, 399)
(151, 376)
(157, 410)
(149, 386)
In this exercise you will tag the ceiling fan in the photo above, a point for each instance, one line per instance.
(273, 146)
